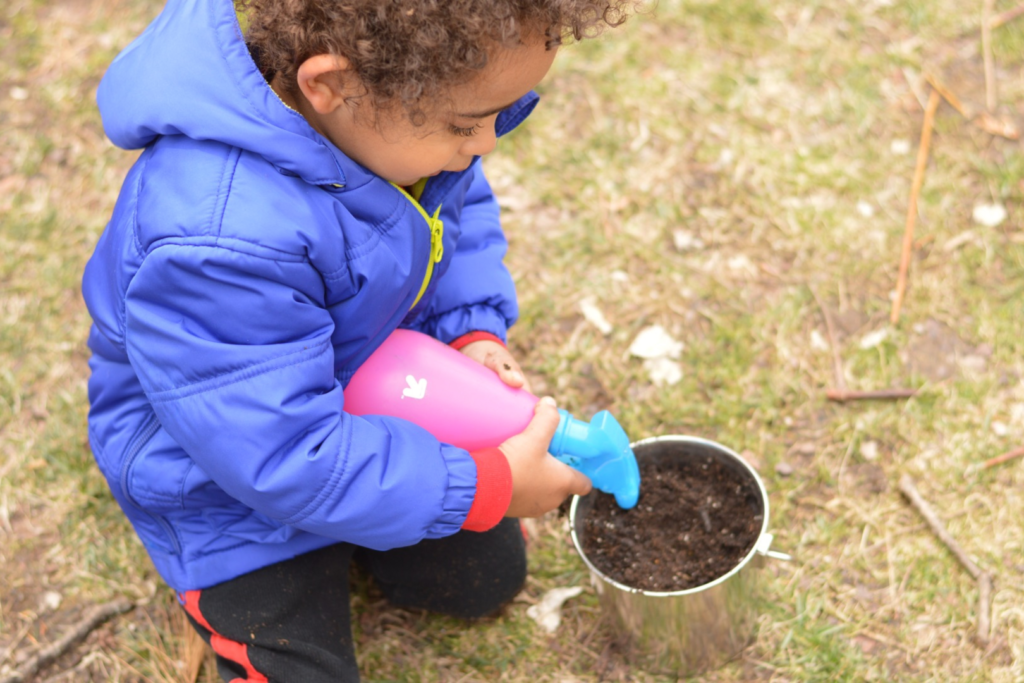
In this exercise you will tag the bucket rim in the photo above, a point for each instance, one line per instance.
(696, 440)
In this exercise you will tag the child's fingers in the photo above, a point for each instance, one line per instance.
(508, 370)
(579, 483)
(544, 423)
(498, 360)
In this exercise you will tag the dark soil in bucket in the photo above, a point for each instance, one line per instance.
(696, 519)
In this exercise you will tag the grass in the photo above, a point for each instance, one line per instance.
(773, 134)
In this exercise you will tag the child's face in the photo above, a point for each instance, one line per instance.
(457, 129)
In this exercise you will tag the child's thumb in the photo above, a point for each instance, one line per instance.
(545, 421)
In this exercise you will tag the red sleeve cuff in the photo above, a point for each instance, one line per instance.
(493, 490)
(471, 337)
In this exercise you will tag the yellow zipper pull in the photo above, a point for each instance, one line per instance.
(436, 236)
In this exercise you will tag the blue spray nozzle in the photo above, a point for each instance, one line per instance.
(599, 449)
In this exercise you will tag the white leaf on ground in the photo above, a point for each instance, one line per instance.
(900, 147)
(684, 240)
(620, 276)
(19, 94)
(869, 450)
(50, 601)
(655, 342)
(1000, 428)
(548, 612)
(818, 342)
(865, 209)
(741, 263)
(594, 316)
(873, 339)
(989, 215)
(663, 371)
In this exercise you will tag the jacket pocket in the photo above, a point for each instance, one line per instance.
(166, 538)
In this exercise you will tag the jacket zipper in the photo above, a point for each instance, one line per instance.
(143, 438)
(436, 227)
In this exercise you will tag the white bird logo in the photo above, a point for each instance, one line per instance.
(416, 389)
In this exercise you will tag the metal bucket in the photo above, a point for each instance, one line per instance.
(689, 631)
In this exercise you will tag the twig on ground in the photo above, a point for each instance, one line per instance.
(837, 361)
(1000, 459)
(991, 100)
(983, 578)
(96, 616)
(993, 125)
(948, 95)
(908, 234)
(984, 602)
(1005, 17)
(842, 395)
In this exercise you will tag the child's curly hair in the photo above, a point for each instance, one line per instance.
(406, 51)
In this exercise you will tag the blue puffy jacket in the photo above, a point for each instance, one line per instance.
(248, 269)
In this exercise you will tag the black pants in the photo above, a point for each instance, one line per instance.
(290, 622)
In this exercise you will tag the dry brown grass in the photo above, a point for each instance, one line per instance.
(777, 139)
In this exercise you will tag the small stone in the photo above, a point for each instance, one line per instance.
(19, 94)
(783, 469)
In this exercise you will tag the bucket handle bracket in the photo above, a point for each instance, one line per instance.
(764, 545)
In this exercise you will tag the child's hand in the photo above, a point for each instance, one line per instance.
(540, 482)
(496, 357)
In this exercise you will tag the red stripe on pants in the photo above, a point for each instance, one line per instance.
(226, 648)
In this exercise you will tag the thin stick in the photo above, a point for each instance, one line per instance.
(837, 361)
(984, 600)
(986, 49)
(1006, 17)
(947, 94)
(96, 616)
(842, 395)
(938, 528)
(1000, 459)
(983, 578)
(994, 125)
(989, 123)
(908, 234)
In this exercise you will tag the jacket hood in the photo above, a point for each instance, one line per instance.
(190, 73)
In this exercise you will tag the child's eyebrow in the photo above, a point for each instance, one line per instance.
(489, 112)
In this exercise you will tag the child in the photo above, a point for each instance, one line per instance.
(297, 199)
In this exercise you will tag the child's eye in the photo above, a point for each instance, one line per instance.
(463, 132)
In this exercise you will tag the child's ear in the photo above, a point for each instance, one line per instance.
(325, 81)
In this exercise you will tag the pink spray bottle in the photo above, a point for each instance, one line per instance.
(419, 379)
